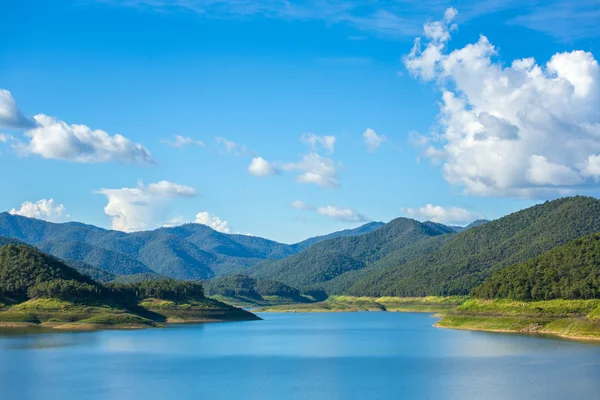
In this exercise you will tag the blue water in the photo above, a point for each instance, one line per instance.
(298, 356)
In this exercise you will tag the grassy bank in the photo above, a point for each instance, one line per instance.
(66, 315)
(350, 303)
(575, 319)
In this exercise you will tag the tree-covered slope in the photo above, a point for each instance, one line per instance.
(190, 251)
(570, 271)
(108, 260)
(473, 255)
(23, 267)
(361, 230)
(243, 287)
(331, 258)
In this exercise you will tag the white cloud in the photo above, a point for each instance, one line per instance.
(5, 138)
(212, 221)
(230, 147)
(181, 141)
(261, 167)
(342, 214)
(55, 139)
(300, 205)
(317, 143)
(315, 169)
(42, 209)
(564, 19)
(339, 213)
(10, 115)
(372, 140)
(518, 130)
(142, 207)
(444, 215)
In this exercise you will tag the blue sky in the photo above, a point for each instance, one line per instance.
(275, 81)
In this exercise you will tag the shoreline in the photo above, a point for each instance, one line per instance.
(522, 332)
(565, 319)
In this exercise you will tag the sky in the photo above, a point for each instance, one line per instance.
(290, 119)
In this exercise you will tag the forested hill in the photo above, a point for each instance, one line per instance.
(471, 256)
(361, 230)
(191, 251)
(24, 268)
(570, 271)
(331, 258)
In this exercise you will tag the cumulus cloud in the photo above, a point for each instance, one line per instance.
(182, 141)
(44, 209)
(444, 215)
(315, 169)
(212, 221)
(230, 147)
(10, 115)
(142, 207)
(318, 143)
(342, 214)
(261, 167)
(372, 140)
(523, 129)
(300, 205)
(56, 139)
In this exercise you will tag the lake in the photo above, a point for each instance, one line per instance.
(370, 355)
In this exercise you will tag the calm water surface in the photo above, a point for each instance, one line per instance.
(298, 356)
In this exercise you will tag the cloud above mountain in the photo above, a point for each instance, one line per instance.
(212, 221)
(524, 129)
(443, 215)
(47, 210)
(343, 214)
(143, 207)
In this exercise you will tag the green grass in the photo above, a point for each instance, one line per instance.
(16, 316)
(552, 308)
(352, 303)
(196, 310)
(567, 318)
(150, 312)
(117, 319)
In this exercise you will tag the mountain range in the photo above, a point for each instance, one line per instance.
(191, 251)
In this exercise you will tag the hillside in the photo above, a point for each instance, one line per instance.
(190, 251)
(571, 271)
(471, 256)
(361, 230)
(473, 224)
(244, 290)
(329, 259)
(36, 288)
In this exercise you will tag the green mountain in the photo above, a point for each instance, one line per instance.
(570, 271)
(244, 289)
(473, 224)
(36, 288)
(468, 258)
(191, 251)
(361, 230)
(326, 261)
(23, 267)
